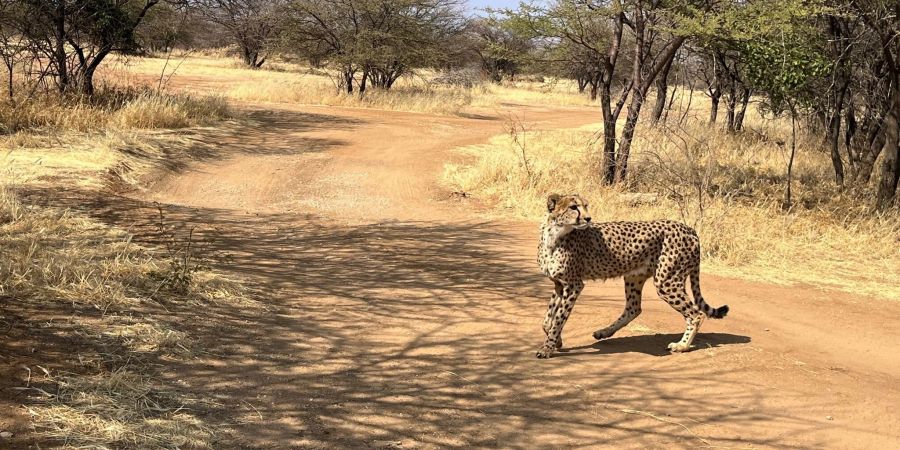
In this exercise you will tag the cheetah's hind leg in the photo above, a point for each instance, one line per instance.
(670, 286)
(693, 326)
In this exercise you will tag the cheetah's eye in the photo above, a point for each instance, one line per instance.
(574, 207)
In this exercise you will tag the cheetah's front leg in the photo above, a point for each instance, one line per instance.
(564, 307)
(555, 300)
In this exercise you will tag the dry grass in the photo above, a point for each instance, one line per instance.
(54, 256)
(96, 160)
(285, 82)
(122, 408)
(550, 93)
(728, 186)
(319, 90)
(53, 259)
(111, 109)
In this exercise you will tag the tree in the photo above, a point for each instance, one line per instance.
(75, 36)
(708, 72)
(782, 59)
(13, 47)
(165, 27)
(662, 87)
(600, 28)
(252, 24)
(499, 49)
(372, 41)
(881, 18)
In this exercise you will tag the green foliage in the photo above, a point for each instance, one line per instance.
(783, 69)
(777, 42)
(107, 23)
(387, 38)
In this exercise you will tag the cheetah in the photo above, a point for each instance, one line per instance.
(572, 249)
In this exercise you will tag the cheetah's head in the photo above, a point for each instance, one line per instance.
(567, 212)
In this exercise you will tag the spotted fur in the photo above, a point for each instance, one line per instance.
(572, 249)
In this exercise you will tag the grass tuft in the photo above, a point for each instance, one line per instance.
(121, 408)
(55, 254)
(110, 109)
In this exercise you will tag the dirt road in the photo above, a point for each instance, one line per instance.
(401, 318)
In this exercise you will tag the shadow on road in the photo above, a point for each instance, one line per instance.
(255, 132)
(652, 344)
(419, 335)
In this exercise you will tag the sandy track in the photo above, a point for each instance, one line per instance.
(399, 319)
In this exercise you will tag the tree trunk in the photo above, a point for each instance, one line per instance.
(609, 133)
(821, 122)
(669, 105)
(834, 138)
(634, 112)
(714, 98)
(10, 68)
(362, 82)
(730, 104)
(59, 54)
(834, 132)
(868, 158)
(850, 131)
(348, 80)
(90, 68)
(391, 81)
(662, 86)
(788, 200)
(641, 81)
(582, 85)
(742, 111)
(890, 164)
(87, 82)
(251, 56)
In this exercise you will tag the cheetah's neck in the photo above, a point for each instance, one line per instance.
(551, 234)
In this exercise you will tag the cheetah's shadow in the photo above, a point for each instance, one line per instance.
(650, 344)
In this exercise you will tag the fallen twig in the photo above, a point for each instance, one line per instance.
(663, 419)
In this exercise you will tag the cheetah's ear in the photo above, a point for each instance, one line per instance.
(551, 202)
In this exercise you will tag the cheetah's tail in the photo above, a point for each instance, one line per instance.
(715, 313)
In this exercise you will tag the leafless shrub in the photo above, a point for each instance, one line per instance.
(517, 133)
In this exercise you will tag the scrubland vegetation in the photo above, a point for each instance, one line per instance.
(426, 91)
(111, 109)
(795, 182)
(728, 186)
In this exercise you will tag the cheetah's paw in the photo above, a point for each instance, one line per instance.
(678, 347)
(545, 351)
(603, 333)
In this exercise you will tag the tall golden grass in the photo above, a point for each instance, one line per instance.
(285, 82)
(318, 90)
(111, 108)
(728, 186)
